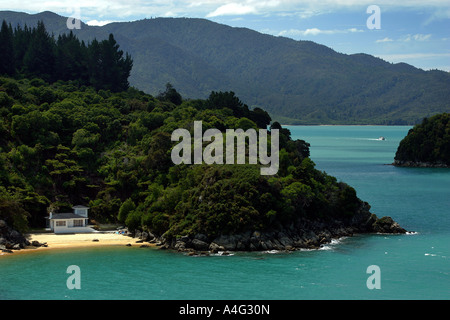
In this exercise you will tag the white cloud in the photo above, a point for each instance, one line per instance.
(316, 31)
(98, 23)
(307, 8)
(409, 56)
(246, 7)
(169, 14)
(232, 9)
(200, 8)
(415, 37)
(354, 30)
(422, 37)
(384, 40)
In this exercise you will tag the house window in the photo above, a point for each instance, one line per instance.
(61, 223)
(81, 212)
(78, 223)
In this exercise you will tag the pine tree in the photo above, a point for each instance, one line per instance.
(71, 59)
(95, 63)
(22, 39)
(109, 70)
(7, 62)
(33, 52)
(39, 60)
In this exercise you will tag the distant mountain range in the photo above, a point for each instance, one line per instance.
(297, 82)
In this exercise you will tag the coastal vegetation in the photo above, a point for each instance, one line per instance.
(66, 143)
(63, 142)
(427, 144)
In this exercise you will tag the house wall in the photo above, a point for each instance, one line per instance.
(69, 228)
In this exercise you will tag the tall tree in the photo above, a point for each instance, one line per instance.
(171, 95)
(6, 49)
(21, 41)
(39, 60)
(71, 59)
(33, 52)
(109, 70)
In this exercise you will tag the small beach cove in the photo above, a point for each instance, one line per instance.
(78, 240)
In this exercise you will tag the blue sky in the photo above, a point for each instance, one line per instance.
(411, 31)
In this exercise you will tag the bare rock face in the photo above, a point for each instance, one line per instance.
(300, 234)
(11, 239)
(304, 234)
(387, 225)
(419, 164)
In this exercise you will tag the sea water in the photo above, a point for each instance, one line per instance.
(412, 266)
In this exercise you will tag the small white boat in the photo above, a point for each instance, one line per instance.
(381, 138)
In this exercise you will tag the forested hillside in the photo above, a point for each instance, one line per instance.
(297, 82)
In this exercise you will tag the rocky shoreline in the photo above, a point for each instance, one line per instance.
(418, 164)
(11, 239)
(303, 234)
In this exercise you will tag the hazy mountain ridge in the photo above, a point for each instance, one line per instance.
(296, 81)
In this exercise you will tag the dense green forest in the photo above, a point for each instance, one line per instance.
(428, 142)
(63, 144)
(297, 82)
(33, 52)
(72, 137)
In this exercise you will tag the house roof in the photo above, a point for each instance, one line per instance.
(69, 215)
(79, 207)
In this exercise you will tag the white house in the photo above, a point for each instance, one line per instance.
(72, 222)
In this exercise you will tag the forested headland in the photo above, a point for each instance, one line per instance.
(427, 144)
(65, 142)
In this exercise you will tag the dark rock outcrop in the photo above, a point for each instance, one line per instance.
(11, 239)
(302, 234)
(387, 225)
(418, 164)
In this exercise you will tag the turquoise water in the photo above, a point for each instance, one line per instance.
(414, 266)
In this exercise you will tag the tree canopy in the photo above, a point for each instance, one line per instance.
(428, 142)
(33, 52)
(64, 143)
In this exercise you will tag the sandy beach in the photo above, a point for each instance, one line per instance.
(79, 240)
